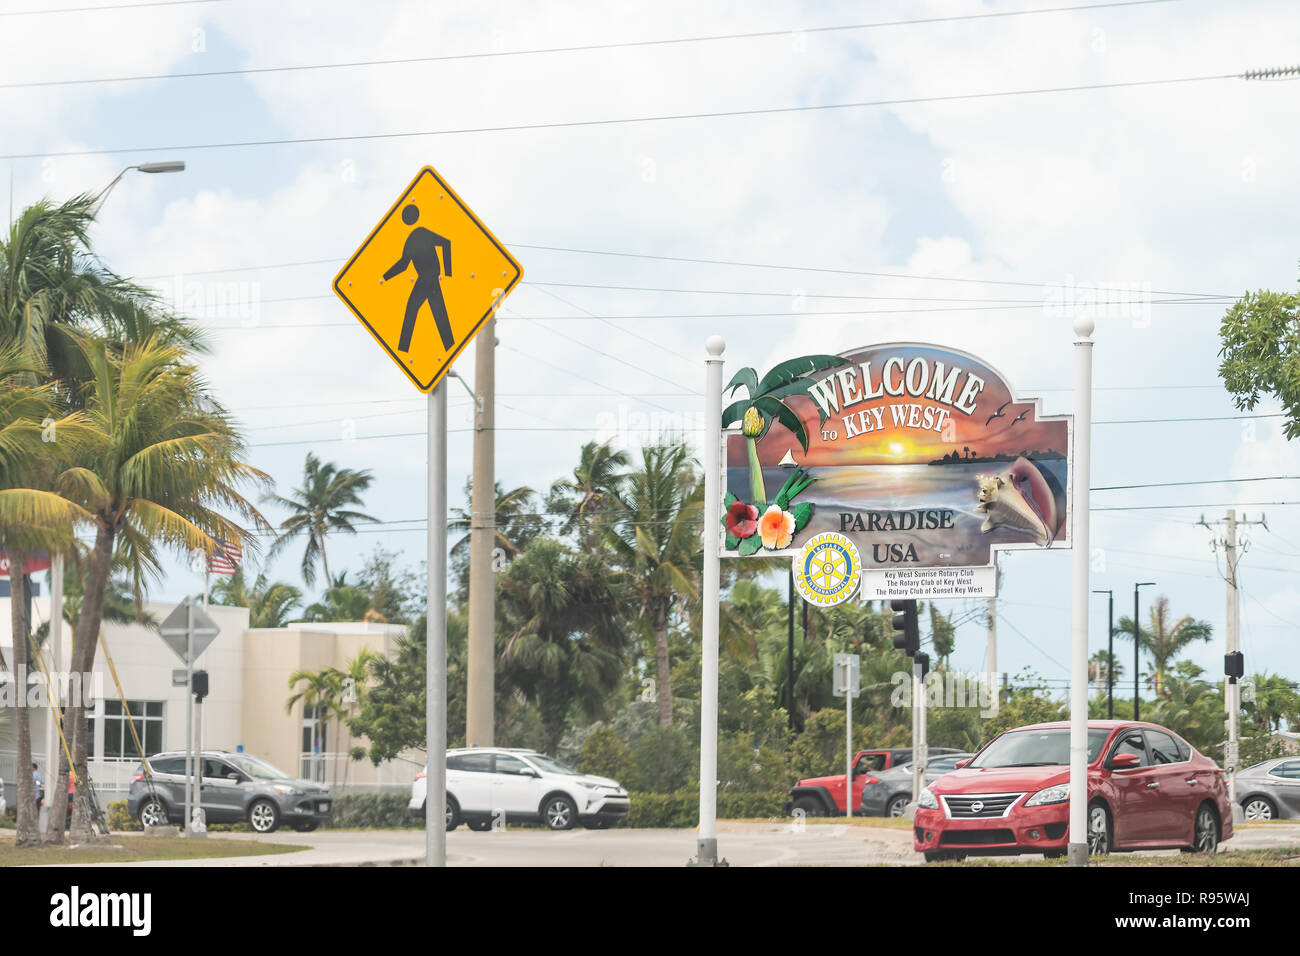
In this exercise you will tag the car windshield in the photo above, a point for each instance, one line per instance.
(1036, 748)
(551, 766)
(257, 769)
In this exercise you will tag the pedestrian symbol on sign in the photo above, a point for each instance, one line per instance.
(421, 251)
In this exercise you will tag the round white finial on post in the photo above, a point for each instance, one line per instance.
(715, 346)
(1083, 326)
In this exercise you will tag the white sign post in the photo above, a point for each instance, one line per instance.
(846, 683)
(1078, 839)
(706, 853)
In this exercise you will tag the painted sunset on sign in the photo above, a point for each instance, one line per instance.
(921, 454)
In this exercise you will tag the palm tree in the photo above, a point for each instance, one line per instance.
(31, 519)
(764, 406)
(595, 480)
(654, 537)
(319, 507)
(1099, 667)
(317, 694)
(352, 688)
(269, 603)
(511, 519)
(565, 652)
(1164, 640)
(161, 462)
(343, 602)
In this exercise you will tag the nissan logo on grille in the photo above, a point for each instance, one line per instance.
(976, 807)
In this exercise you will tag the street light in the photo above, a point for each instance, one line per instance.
(1110, 652)
(1136, 631)
(166, 166)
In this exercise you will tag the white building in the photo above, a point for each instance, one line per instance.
(248, 675)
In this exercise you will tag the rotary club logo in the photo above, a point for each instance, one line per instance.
(827, 570)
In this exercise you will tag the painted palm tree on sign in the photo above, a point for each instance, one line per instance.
(320, 506)
(764, 405)
(1164, 639)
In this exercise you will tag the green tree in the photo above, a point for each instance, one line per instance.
(1276, 705)
(269, 603)
(565, 650)
(593, 484)
(342, 602)
(160, 463)
(605, 754)
(317, 692)
(1164, 639)
(396, 595)
(323, 504)
(662, 761)
(1260, 353)
(654, 536)
(1029, 703)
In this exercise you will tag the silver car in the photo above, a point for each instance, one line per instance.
(888, 792)
(1270, 790)
(235, 787)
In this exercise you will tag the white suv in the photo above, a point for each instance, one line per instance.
(486, 784)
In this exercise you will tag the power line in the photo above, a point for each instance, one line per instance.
(1208, 481)
(620, 121)
(1216, 504)
(111, 6)
(1211, 418)
(1208, 297)
(495, 54)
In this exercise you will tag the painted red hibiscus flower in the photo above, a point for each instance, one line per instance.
(742, 520)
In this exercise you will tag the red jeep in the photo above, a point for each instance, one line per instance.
(824, 796)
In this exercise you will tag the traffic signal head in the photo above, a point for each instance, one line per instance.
(907, 633)
(1234, 664)
(200, 684)
(924, 660)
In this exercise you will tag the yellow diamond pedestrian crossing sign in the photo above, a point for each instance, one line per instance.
(427, 278)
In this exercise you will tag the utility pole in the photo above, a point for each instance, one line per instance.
(1231, 688)
(991, 654)
(1110, 652)
(480, 730)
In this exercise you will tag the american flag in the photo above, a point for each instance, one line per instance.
(225, 560)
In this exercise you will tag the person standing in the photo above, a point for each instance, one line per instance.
(38, 787)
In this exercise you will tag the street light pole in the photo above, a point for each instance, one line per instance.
(1136, 661)
(1077, 845)
(167, 166)
(1110, 652)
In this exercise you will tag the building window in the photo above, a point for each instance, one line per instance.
(112, 740)
(314, 749)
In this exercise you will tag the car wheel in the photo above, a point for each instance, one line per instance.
(306, 827)
(453, 813)
(811, 807)
(1205, 837)
(152, 813)
(264, 816)
(559, 813)
(1099, 830)
(480, 826)
(1258, 808)
(896, 806)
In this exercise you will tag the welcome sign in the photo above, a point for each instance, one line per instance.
(924, 457)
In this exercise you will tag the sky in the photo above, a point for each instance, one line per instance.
(983, 224)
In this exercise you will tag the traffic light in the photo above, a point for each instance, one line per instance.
(907, 634)
(200, 686)
(1234, 665)
(924, 660)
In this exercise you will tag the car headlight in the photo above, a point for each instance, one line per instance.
(286, 790)
(599, 787)
(926, 800)
(1057, 794)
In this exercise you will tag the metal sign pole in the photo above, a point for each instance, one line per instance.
(848, 738)
(189, 714)
(435, 840)
(916, 729)
(1078, 839)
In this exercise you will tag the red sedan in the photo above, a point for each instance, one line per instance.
(1147, 789)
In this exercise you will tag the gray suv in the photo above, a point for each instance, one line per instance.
(235, 787)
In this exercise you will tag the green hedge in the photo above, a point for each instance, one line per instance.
(682, 809)
(387, 811)
(379, 811)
